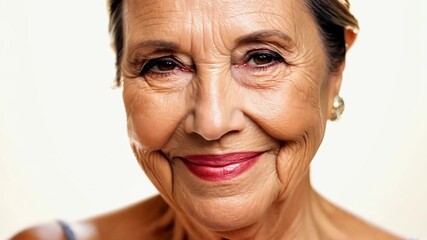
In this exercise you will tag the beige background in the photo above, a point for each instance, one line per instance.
(63, 146)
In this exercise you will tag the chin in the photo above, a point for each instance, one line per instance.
(223, 209)
(227, 205)
(228, 214)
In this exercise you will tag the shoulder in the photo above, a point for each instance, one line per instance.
(351, 226)
(51, 231)
(356, 227)
(55, 231)
(144, 220)
(361, 229)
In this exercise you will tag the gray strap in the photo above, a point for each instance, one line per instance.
(69, 234)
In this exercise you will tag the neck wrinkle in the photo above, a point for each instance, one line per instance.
(312, 216)
(307, 215)
(326, 224)
(292, 214)
(188, 229)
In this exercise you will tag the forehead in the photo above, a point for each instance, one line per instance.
(223, 8)
(216, 21)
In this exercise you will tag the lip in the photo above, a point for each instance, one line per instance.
(221, 167)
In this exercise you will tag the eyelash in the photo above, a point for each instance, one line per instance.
(275, 59)
(152, 63)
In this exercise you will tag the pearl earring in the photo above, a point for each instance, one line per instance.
(337, 108)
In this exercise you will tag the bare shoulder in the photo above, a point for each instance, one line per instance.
(139, 221)
(356, 227)
(149, 219)
(55, 231)
(50, 231)
(365, 230)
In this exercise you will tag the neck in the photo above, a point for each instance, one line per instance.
(302, 214)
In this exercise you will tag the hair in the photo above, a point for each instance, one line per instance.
(333, 17)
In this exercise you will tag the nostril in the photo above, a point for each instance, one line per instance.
(209, 132)
(213, 128)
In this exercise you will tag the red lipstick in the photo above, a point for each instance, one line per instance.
(221, 167)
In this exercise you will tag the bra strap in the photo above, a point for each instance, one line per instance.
(69, 234)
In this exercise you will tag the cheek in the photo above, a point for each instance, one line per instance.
(289, 112)
(294, 115)
(152, 117)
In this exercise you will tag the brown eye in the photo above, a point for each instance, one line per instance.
(262, 59)
(160, 65)
(166, 65)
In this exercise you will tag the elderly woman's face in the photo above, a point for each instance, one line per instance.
(226, 102)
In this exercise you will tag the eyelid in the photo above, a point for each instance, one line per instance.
(254, 53)
(148, 64)
(153, 61)
(266, 44)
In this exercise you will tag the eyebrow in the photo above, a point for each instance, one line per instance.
(159, 45)
(258, 36)
(262, 35)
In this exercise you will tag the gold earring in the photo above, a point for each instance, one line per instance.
(337, 108)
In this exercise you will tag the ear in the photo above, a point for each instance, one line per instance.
(350, 36)
(336, 79)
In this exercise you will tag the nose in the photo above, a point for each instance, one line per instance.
(216, 109)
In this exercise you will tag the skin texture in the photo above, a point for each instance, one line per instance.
(220, 104)
(219, 99)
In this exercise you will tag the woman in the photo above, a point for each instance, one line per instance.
(227, 103)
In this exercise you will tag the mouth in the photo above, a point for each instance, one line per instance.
(221, 167)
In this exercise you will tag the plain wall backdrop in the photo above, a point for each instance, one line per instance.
(64, 151)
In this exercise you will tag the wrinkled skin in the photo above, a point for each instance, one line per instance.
(215, 77)
(218, 100)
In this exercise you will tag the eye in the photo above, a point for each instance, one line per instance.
(264, 59)
(163, 65)
(259, 67)
(166, 72)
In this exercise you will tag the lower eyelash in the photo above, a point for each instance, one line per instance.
(264, 68)
(154, 74)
